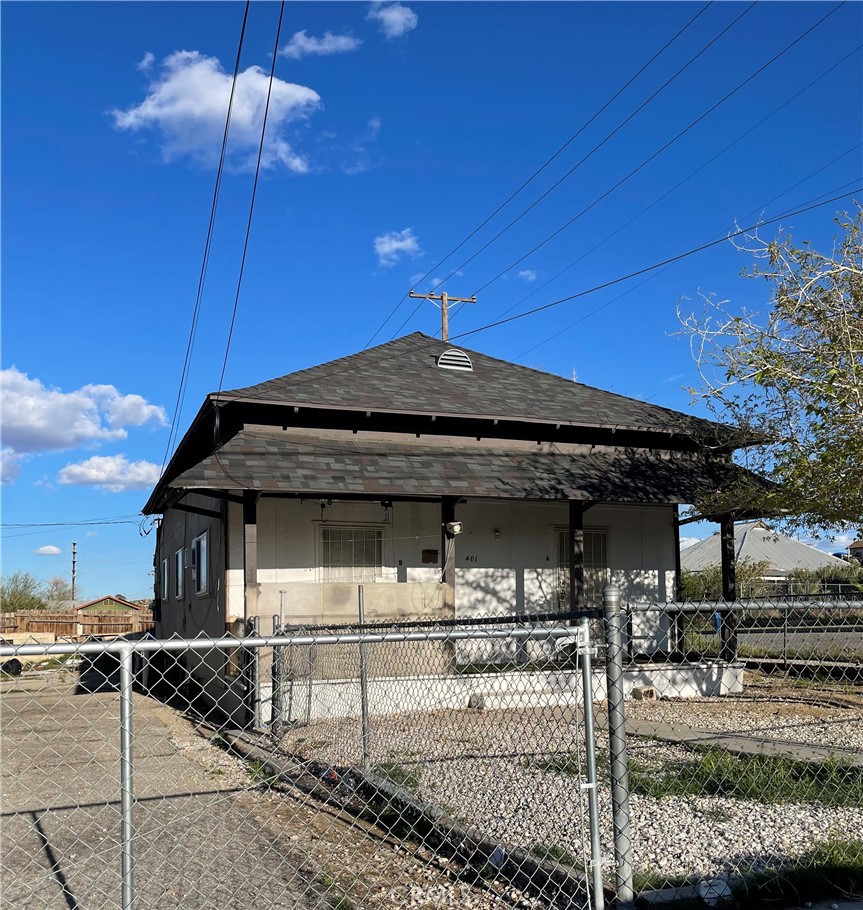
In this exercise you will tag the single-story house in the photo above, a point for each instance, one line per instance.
(448, 482)
(757, 542)
(855, 551)
(108, 604)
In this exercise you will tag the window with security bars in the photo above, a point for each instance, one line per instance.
(596, 573)
(352, 554)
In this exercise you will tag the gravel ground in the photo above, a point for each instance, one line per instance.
(501, 771)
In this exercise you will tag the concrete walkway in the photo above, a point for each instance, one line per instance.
(742, 743)
(196, 846)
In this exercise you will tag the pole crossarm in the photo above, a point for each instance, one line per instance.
(445, 300)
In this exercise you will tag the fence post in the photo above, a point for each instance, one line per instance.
(127, 821)
(617, 747)
(277, 709)
(364, 687)
(590, 755)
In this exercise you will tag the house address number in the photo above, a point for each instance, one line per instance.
(470, 559)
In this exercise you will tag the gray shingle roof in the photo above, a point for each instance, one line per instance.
(299, 462)
(402, 376)
(756, 542)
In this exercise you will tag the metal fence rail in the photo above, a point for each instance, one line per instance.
(349, 768)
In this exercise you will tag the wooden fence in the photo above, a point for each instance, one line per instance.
(77, 625)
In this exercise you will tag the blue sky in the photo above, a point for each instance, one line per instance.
(395, 129)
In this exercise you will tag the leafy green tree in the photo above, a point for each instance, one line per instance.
(707, 584)
(792, 376)
(21, 591)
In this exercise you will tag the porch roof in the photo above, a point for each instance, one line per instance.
(343, 464)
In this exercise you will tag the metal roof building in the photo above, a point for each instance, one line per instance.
(757, 542)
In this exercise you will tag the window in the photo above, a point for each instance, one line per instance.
(163, 582)
(199, 563)
(178, 573)
(596, 574)
(352, 554)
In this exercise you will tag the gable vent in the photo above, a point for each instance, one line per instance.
(454, 359)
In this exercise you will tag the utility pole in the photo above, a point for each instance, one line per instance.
(445, 301)
(74, 560)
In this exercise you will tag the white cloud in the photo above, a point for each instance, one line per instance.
(188, 101)
(389, 247)
(48, 550)
(114, 473)
(360, 155)
(833, 543)
(305, 45)
(688, 542)
(527, 275)
(36, 418)
(145, 64)
(10, 464)
(394, 19)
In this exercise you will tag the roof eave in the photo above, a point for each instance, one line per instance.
(731, 433)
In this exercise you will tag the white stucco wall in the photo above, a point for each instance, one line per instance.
(496, 574)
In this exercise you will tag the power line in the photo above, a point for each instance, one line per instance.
(663, 148)
(254, 196)
(585, 158)
(608, 137)
(677, 186)
(68, 524)
(651, 268)
(653, 275)
(548, 161)
(181, 391)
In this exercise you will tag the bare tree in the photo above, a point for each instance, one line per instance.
(793, 375)
(58, 592)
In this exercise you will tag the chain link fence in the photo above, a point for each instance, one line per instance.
(418, 765)
(443, 764)
(745, 749)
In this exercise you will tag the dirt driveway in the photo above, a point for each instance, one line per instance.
(197, 845)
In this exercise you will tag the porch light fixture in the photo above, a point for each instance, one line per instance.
(454, 527)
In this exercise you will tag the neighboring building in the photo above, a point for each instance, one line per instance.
(108, 604)
(450, 483)
(855, 551)
(756, 542)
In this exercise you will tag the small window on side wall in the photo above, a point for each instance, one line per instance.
(178, 574)
(163, 581)
(199, 563)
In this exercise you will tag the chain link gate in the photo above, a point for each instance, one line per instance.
(423, 767)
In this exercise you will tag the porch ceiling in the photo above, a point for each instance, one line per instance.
(347, 464)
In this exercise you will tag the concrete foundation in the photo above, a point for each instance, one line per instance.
(310, 700)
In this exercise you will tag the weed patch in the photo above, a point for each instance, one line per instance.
(399, 775)
(831, 869)
(764, 778)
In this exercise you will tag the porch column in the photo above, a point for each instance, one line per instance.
(678, 634)
(728, 555)
(576, 554)
(447, 549)
(250, 552)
